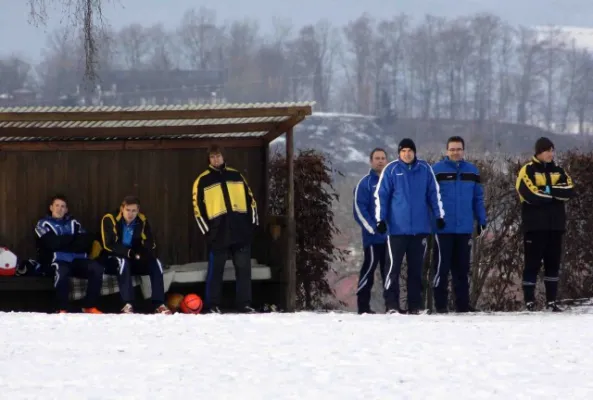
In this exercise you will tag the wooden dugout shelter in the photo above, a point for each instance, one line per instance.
(97, 155)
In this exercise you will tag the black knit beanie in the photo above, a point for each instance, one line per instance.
(543, 144)
(406, 144)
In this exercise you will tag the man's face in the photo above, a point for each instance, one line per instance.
(130, 212)
(216, 160)
(455, 151)
(58, 209)
(378, 161)
(547, 156)
(406, 155)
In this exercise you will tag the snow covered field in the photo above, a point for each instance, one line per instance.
(297, 356)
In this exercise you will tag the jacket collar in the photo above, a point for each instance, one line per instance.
(448, 160)
(538, 162)
(372, 172)
(219, 169)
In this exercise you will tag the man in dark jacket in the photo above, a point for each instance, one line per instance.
(463, 201)
(543, 188)
(129, 250)
(407, 199)
(62, 249)
(373, 243)
(226, 213)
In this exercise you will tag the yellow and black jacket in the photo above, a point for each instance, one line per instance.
(543, 189)
(112, 232)
(224, 207)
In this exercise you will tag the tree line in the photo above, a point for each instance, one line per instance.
(476, 67)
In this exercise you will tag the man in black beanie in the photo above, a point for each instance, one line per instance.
(407, 200)
(543, 188)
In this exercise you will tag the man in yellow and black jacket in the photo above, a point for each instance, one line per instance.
(226, 213)
(128, 249)
(543, 188)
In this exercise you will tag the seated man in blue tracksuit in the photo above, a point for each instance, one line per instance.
(463, 201)
(128, 249)
(407, 199)
(374, 243)
(62, 251)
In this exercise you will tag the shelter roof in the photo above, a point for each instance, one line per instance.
(107, 123)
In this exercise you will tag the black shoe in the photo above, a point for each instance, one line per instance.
(530, 306)
(392, 311)
(442, 311)
(552, 306)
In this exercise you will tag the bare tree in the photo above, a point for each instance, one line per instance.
(202, 39)
(133, 46)
(359, 35)
(315, 49)
(14, 74)
(529, 52)
(554, 46)
(86, 17)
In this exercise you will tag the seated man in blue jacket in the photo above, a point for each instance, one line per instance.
(62, 249)
(463, 201)
(128, 249)
(407, 199)
(373, 243)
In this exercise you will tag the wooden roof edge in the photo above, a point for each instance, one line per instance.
(283, 127)
(156, 114)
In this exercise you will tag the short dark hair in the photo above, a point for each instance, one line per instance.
(456, 139)
(130, 201)
(58, 196)
(376, 149)
(215, 149)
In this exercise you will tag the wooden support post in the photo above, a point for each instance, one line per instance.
(290, 266)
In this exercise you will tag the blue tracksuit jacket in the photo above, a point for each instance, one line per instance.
(364, 209)
(407, 198)
(462, 193)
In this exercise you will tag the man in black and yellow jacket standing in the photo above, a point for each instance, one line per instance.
(128, 249)
(543, 187)
(226, 213)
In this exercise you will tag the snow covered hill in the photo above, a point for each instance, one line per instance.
(296, 356)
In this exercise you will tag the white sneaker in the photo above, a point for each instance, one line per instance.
(128, 309)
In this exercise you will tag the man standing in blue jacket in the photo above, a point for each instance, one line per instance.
(463, 201)
(407, 199)
(374, 243)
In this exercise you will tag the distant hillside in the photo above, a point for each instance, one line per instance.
(348, 138)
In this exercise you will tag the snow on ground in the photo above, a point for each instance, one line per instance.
(296, 356)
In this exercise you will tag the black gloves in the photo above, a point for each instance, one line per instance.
(381, 227)
(440, 223)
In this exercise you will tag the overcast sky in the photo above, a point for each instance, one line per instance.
(19, 37)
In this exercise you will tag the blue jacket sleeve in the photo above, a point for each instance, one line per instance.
(479, 207)
(362, 198)
(434, 195)
(383, 194)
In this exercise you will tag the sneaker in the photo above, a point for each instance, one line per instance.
(214, 310)
(392, 311)
(246, 310)
(552, 306)
(162, 309)
(366, 311)
(91, 310)
(128, 309)
(530, 306)
(62, 312)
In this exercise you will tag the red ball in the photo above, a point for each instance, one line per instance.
(191, 304)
